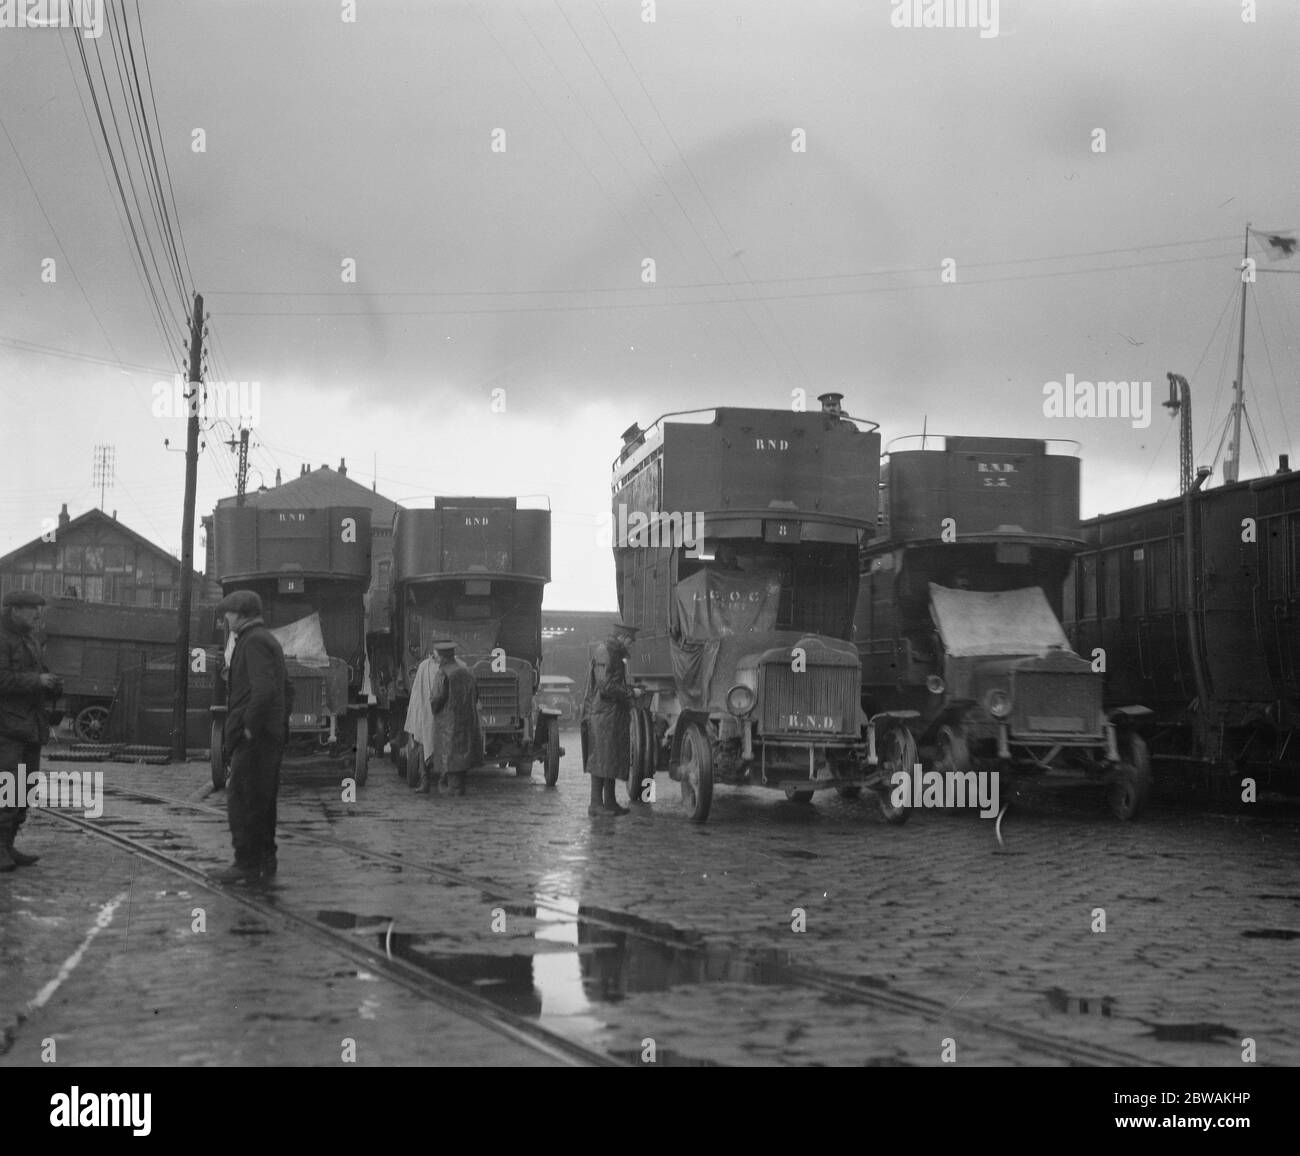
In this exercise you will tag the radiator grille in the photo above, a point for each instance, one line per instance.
(498, 699)
(1049, 703)
(308, 700)
(821, 700)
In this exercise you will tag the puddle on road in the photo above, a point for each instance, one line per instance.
(1198, 1033)
(1061, 1001)
(1270, 933)
(571, 973)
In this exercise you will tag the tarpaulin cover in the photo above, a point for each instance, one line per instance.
(973, 623)
(718, 603)
(303, 641)
(718, 614)
(476, 637)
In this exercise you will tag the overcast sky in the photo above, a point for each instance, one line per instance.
(520, 267)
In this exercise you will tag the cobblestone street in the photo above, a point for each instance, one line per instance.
(773, 934)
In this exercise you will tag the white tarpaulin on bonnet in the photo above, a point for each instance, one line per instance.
(973, 622)
(303, 641)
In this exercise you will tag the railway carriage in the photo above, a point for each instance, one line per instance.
(736, 545)
(474, 570)
(958, 618)
(1207, 637)
(311, 569)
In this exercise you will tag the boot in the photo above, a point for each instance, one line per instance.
(17, 856)
(236, 873)
(270, 865)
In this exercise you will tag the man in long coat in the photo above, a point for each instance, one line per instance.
(26, 692)
(457, 736)
(254, 736)
(607, 720)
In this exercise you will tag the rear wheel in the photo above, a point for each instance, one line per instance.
(642, 756)
(552, 772)
(896, 749)
(696, 770)
(215, 756)
(1130, 783)
(90, 723)
(361, 760)
(952, 752)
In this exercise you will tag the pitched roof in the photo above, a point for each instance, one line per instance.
(322, 487)
(96, 515)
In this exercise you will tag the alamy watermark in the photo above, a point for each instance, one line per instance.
(88, 15)
(920, 788)
(239, 402)
(1071, 398)
(639, 529)
(69, 790)
(981, 14)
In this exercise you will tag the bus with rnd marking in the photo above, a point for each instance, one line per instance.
(736, 543)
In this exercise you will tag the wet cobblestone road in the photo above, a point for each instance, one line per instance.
(614, 932)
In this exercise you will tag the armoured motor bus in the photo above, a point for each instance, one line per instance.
(736, 539)
(311, 568)
(473, 570)
(959, 615)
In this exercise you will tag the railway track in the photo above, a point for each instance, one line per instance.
(447, 995)
(877, 995)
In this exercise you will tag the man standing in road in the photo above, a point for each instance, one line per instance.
(254, 736)
(26, 691)
(457, 737)
(607, 720)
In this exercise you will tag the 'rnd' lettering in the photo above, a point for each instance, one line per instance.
(779, 444)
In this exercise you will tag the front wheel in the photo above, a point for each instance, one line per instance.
(695, 767)
(361, 761)
(896, 749)
(217, 759)
(552, 764)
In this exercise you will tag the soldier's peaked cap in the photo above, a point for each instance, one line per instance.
(242, 602)
(626, 627)
(442, 644)
(23, 598)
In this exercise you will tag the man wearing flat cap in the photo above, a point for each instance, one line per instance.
(27, 691)
(607, 720)
(254, 736)
(457, 736)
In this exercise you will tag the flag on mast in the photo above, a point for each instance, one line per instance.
(1280, 245)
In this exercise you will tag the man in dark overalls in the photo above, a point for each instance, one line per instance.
(457, 736)
(253, 738)
(26, 691)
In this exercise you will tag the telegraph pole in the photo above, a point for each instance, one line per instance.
(241, 476)
(1232, 465)
(180, 702)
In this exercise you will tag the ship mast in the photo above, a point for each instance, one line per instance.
(1232, 464)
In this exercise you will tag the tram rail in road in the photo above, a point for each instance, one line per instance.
(877, 994)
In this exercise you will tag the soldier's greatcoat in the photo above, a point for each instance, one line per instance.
(457, 738)
(607, 712)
